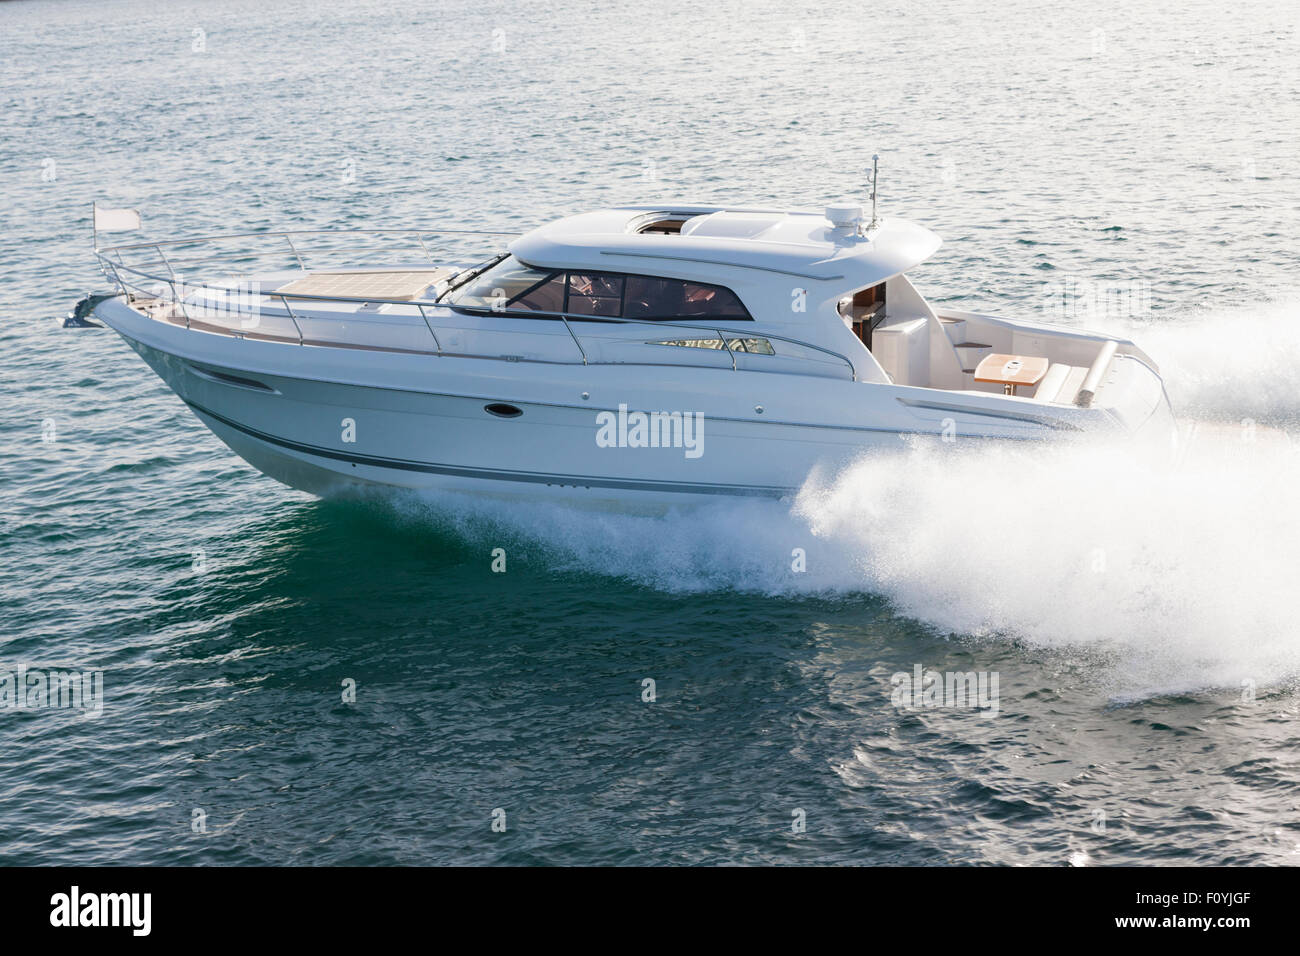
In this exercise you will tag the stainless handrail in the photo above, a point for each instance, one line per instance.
(107, 266)
(1153, 370)
(230, 257)
(730, 354)
(181, 302)
(424, 315)
(565, 320)
(165, 261)
(296, 327)
(294, 249)
(304, 232)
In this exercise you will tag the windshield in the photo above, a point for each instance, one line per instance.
(509, 284)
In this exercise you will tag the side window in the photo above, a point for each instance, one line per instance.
(650, 298)
(545, 296)
(595, 294)
(713, 301)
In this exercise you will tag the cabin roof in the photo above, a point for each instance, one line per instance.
(799, 243)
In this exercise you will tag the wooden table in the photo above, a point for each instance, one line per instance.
(1011, 370)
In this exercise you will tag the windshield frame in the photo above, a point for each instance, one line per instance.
(509, 262)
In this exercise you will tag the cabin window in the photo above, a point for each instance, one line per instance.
(595, 294)
(650, 298)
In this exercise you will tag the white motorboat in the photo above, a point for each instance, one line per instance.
(629, 356)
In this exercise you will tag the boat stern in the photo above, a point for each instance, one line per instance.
(1131, 390)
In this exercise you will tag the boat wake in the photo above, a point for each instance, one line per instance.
(1182, 573)
(1178, 570)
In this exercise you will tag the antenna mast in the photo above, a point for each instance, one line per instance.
(875, 176)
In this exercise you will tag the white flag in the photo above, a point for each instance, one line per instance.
(116, 220)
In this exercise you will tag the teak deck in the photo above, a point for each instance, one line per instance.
(363, 285)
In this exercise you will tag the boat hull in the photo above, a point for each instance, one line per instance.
(337, 422)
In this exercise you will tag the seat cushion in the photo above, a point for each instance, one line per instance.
(1060, 384)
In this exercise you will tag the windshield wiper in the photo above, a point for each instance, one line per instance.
(456, 281)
